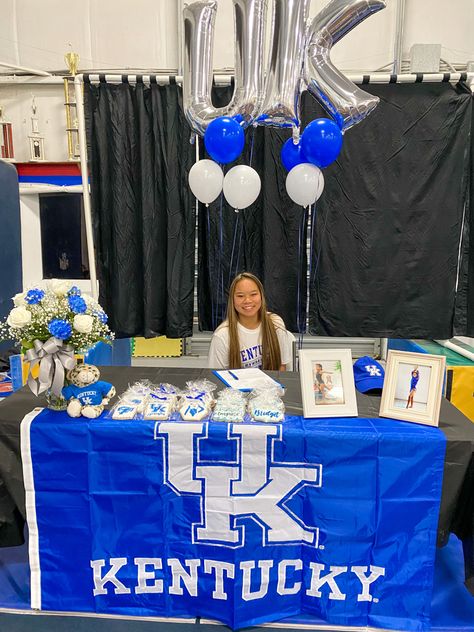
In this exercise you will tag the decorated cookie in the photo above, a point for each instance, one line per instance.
(230, 406)
(124, 411)
(158, 410)
(233, 414)
(136, 400)
(167, 398)
(193, 410)
(266, 414)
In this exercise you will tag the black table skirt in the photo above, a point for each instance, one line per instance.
(457, 501)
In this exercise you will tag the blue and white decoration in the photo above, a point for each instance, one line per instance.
(244, 523)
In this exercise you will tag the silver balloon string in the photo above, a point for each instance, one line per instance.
(220, 269)
(238, 224)
(311, 223)
(239, 247)
(301, 247)
(232, 271)
(312, 274)
(53, 357)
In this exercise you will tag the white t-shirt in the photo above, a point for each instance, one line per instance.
(250, 345)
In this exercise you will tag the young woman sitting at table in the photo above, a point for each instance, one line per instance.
(249, 337)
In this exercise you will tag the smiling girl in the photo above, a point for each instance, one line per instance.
(250, 336)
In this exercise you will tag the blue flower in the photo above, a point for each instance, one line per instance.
(77, 304)
(74, 291)
(102, 316)
(60, 328)
(34, 296)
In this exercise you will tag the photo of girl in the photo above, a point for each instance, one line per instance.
(415, 376)
(412, 386)
(327, 383)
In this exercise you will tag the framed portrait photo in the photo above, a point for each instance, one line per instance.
(36, 149)
(327, 383)
(413, 387)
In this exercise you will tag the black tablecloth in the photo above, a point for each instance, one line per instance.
(457, 502)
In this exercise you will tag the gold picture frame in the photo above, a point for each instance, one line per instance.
(413, 387)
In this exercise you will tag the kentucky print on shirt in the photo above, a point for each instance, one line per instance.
(251, 357)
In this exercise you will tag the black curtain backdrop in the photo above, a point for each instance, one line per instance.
(385, 248)
(390, 219)
(464, 307)
(385, 235)
(468, 327)
(143, 210)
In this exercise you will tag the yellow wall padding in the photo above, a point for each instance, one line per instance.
(460, 389)
(161, 347)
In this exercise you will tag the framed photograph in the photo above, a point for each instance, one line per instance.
(413, 386)
(36, 149)
(327, 383)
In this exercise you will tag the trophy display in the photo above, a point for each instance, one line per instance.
(6, 138)
(72, 61)
(35, 138)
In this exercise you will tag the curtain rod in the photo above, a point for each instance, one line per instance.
(220, 79)
(439, 77)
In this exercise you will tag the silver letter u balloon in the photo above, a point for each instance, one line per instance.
(299, 57)
(249, 24)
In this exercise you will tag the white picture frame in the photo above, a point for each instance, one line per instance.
(327, 383)
(413, 387)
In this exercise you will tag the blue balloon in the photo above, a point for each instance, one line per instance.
(224, 139)
(321, 142)
(292, 155)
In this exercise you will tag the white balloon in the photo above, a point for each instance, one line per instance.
(205, 180)
(304, 184)
(241, 186)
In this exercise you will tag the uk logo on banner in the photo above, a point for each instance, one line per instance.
(174, 519)
(253, 486)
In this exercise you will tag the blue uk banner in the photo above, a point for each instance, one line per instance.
(243, 523)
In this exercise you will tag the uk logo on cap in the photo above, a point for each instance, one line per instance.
(368, 375)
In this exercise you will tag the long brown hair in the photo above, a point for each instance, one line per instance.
(271, 354)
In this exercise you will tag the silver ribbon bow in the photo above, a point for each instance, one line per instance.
(53, 357)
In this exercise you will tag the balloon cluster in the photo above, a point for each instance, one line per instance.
(224, 140)
(270, 95)
(319, 145)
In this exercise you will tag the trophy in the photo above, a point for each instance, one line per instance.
(6, 138)
(72, 61)
(36, 140)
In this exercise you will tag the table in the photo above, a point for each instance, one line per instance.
(456, 497)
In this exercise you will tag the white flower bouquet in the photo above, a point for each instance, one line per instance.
(52, 323)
